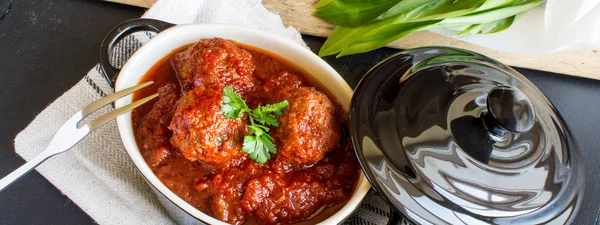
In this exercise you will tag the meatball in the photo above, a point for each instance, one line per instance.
(308, 129)
(201, 132)
(273, 198)
(226, 189)
(283, 80)
(216, 63)
(153, 130)
(275, 88)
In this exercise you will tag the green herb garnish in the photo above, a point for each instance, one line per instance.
(259, 146)
(363, 26)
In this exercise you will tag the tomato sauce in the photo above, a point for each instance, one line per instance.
(311, 176)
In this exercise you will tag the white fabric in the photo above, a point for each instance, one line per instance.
(248, 13)
(97, 173)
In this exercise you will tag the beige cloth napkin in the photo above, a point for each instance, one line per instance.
(97, 174)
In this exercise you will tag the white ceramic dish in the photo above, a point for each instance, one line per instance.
(180, 35)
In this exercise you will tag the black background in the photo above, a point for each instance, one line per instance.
(47, 46)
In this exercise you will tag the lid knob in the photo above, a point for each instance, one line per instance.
(508, 110)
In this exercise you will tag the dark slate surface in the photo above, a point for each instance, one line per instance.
(47, 46)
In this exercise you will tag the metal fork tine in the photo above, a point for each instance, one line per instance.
(111, 98)
(117, 112)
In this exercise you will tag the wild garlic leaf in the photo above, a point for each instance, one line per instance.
(495, 3)
(341, 37)
(424, 10)
(357, 32)
(402, 7)
(382, 36)
(448, 9)
(347, 41)
(353, 13)
(494, 14)
(322, 4)
(489, 28)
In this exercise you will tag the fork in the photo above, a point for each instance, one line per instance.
(72, 133)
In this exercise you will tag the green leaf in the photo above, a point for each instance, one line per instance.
(322, 4)
(268, 119)
(258, 129)
(229, 111)
(274, 108)
(259, 148)
(342, 37)
(383, 35)
(403, 7)
(358, 32)
(252, 146)
(374, 35)
(353, 13)
(489, 28)
(260, 145)
(494, 14)
(424, 10)
(495, 3)
(267, 114)
(233, 105)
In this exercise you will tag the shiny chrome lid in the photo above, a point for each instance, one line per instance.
(449, 136)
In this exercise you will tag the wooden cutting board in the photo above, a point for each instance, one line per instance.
(298, 13)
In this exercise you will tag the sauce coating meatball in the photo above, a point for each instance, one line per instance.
(308, 129)
(215, 62)
(273, 198)
(226, 189)
(201, 132)
(275, 88)
(153, 130)
(281, 85)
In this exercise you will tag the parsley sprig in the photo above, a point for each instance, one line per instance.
(260, 145)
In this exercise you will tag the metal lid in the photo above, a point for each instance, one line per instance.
(449, 136)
